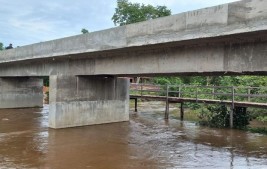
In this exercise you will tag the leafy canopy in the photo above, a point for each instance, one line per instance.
(84, 31)
(1, 46)
(127, 12)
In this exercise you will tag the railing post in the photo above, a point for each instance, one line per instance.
(180, 88)
(213, 92)
(182, 111)
(141, 90)
(249, 92)
(232, 108)
(167, 103)
(196, 94)
(135, 104)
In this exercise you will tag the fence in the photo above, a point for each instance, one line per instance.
(242, 96)
(220, 93)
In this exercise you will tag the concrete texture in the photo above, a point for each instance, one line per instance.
(221, 39)
(216, 58)
(87, 100)
(21, 92)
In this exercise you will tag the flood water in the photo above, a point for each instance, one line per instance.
(147, 141)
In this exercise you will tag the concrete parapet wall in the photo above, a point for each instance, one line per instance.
(87, 100)
(21, 92)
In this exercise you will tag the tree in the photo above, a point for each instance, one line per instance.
(84, 31)
(1, 46)
(127, 12)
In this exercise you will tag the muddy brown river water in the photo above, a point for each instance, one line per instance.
(147, 141)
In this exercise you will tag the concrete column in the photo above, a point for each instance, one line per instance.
(21, 92)
(87, 100)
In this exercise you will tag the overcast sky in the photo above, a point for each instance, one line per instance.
(25, 22)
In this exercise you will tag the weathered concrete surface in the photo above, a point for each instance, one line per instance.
(225, 38)
(246, 58)
(86, 100)
(21, 92)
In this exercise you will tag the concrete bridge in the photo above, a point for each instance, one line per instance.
(84, 70)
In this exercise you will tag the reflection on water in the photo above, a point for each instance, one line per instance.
(147, 141)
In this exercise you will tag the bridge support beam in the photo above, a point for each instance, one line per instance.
(21, 92)
(87, 100)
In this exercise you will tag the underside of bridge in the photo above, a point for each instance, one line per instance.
(21, 92)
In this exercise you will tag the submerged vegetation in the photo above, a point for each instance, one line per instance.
(219, 116)
(262, 130)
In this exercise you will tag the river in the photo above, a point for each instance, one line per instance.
(147, 141)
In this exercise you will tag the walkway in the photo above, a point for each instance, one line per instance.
(230, 95)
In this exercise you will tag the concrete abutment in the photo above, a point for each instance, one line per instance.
(87, 100)
(21, 92)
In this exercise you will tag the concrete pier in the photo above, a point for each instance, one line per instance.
(87, 100)
(21, 92)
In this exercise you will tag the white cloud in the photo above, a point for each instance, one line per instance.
(33, 25)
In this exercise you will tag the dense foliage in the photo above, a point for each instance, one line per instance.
(262, 119)
(1, 46)
(127, 12)
(219, 116)
(238, 81)
(84, 31)
(255, 81)
(46, 81)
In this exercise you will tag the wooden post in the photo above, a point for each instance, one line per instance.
(182, 111)
(196, 94)
(179, 91)
(232, 108)
(249, 92)
(167, 103)
(213, 92)
(135, 105)
(141, 89)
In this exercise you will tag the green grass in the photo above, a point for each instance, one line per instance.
(261, 130)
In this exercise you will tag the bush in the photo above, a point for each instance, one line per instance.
(262, 119)
(219, 116)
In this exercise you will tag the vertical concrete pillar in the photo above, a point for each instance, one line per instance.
(21, 92)
(87, 100)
